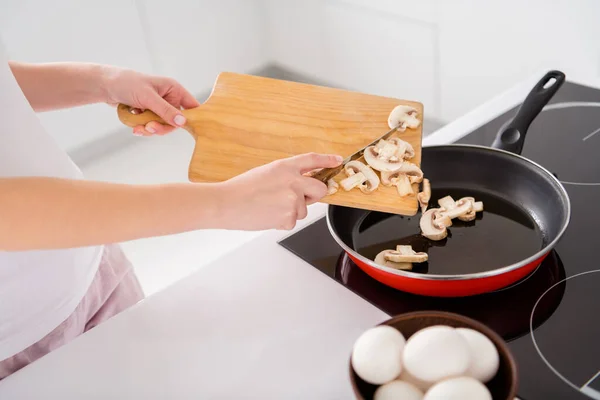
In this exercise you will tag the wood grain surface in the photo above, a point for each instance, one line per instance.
(249, 121)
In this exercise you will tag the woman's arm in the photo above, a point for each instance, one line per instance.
(52, 86)
(50, 213)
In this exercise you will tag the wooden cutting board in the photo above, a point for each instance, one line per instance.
(249, 121)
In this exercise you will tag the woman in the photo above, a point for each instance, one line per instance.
(60, 272)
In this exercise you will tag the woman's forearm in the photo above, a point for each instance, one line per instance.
(52, 86)
(50, 213)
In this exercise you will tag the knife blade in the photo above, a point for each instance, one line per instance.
(325, 174)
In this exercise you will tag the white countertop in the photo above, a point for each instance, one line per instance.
(257, 323)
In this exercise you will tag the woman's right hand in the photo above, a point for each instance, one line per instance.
(275, 195)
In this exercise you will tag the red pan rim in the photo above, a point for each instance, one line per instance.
(494, 272)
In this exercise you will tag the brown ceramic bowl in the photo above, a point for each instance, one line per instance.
(502, 387)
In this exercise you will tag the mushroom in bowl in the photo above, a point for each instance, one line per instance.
(432, 355)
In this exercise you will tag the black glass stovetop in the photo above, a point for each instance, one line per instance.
(551, 319)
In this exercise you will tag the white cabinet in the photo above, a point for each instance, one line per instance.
(193, 41)
(486, 47)
(105, 32)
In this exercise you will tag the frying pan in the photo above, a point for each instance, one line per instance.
(526, 212)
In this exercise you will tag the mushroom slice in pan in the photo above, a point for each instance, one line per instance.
(432, 226)
(370, 182)
(425, 195)
(441, 220)
(405, 253)
(447, 203)
(381, 260)
(403, 116)
(459, 209)
(469, 215)
(478, 206)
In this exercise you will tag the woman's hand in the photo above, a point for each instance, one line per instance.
(275, 195)
(163, 95)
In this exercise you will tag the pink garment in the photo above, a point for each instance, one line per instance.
(114, 289)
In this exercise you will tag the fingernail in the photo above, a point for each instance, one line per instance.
(179, 120)
(150, 129)
(339, 158)
(137, 133)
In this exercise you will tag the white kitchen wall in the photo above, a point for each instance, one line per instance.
(191, 41)
(488, 46)
(69, 30)
(359, 45)
(451, 55)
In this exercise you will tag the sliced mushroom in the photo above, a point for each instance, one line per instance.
(381, 260)
(389, 178)
(476, 206)
(431, 228)
(413, 171)
(383, 157)
(332, 187)
(409, 151)
(402, 117)
(405, 253)
(369, 184)
(404, 186)
(386, 149)
(442, 220)
(447, 203)
(458, 210)
(405, 149)
(423, 196)
(471, 214)
(353, 181)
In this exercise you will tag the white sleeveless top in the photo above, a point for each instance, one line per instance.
(38, 289)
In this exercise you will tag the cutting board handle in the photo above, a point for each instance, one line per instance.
(133, 117)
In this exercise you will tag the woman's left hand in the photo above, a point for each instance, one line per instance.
(164, 96)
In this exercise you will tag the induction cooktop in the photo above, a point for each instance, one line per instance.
(550, 319)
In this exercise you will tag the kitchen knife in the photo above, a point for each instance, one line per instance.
(325, 174)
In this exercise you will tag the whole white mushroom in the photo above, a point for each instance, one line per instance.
(435, 353)
(377, 354)
(461, 388)
(485, 359)
(397, 390)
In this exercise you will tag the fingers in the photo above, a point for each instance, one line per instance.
(307, 162)
(313, 189)
(151, 129)
(165, 110)
(156, 128)
(140, 130)
(187, 100)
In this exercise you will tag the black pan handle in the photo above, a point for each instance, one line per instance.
(512, 137)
